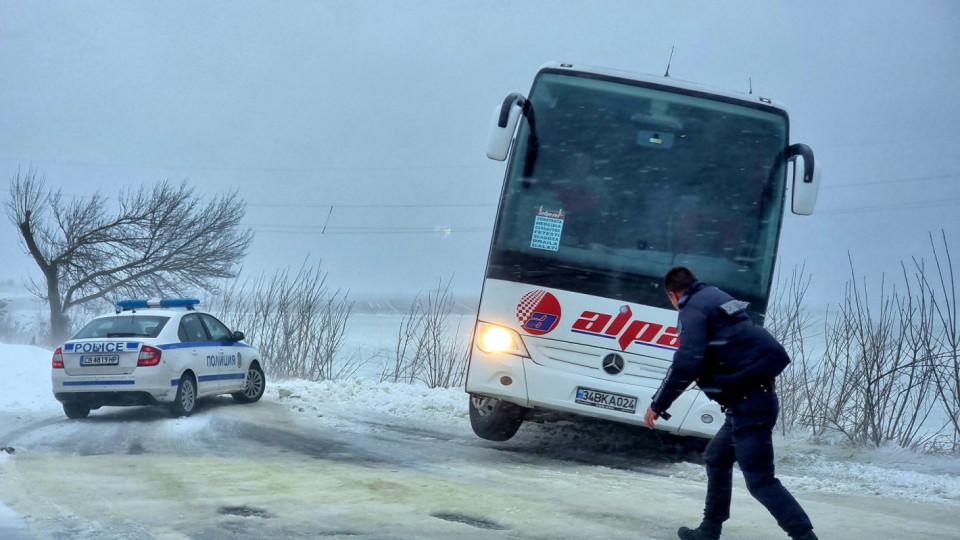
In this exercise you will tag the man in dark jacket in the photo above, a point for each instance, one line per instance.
(734, 362)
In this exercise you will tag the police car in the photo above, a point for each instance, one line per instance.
(154, 352)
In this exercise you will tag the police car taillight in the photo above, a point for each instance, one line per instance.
(57, 359)
(149, 356)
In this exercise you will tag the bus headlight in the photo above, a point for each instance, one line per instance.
(491, 338)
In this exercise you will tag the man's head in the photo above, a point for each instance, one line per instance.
(676, 282)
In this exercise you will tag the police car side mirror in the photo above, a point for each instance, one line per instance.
(238, 335)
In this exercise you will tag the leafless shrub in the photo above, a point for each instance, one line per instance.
(917, 352)
(790, 321)
(888, 366)
(406, 354)
(296, 321)
(942, 290)
(427, 349)
(888, 379)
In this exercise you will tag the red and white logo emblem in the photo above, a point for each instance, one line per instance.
(538, 312)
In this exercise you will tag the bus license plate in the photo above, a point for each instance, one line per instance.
(606, 400)
(100, 360)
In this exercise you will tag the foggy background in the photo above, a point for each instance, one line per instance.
(356, 131)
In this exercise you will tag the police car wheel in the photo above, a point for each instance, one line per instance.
(494, 419)
(75, 411)
(186, 399)
(256, 384)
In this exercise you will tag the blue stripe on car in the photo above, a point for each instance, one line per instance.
(96, 383)
(169, 346)
(208, 378)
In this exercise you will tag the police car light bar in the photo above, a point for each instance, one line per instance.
(158, 302)
(131, 304)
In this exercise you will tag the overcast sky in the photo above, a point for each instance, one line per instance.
(380, 110)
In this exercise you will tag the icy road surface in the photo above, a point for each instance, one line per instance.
(300, 467)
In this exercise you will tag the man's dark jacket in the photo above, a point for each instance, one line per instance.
(720, 348)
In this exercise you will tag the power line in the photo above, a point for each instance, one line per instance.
(451, 205)
(901, 141)
(255, 169)
(889, 207)
(426, 228)
(893, 181)
(335, 232)
(344, 230)
(331, 206)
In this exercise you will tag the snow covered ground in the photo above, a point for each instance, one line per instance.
(364, 421)
(889, 472)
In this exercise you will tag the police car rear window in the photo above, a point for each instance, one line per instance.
(123, 326)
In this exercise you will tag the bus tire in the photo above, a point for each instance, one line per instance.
(494, 419)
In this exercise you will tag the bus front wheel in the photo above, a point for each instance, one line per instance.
(494, 419)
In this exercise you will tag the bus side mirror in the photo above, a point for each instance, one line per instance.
(504, 123)
(806, 185)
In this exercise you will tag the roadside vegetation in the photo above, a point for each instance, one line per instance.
(431, 346)
(296, 321)
(882, 366)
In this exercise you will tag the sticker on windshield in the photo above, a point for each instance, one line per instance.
(547, 229)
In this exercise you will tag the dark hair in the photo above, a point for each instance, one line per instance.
(678, 279)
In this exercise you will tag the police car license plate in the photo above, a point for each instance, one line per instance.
(606, 400)
(100, 360)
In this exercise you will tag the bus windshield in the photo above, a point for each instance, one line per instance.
(613, 182)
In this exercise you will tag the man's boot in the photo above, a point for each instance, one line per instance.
(707, 530)
(808, 535)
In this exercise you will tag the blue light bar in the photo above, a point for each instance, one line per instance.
(157, 302)
(131, 304)
(179, 302)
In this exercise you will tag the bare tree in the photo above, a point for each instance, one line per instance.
(159, 241)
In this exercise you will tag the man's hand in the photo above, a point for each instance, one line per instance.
(650, 417)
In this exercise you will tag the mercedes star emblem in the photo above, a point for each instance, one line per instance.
(613, 364)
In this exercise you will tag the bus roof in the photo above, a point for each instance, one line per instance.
(663, 81)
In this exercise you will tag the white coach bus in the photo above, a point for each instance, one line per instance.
(613, 178)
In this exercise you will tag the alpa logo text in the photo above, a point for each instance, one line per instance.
(625, 330)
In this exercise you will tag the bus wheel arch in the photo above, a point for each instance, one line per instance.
(494, 419)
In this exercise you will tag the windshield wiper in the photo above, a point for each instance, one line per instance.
(127, 334)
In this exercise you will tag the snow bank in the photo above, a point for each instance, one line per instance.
(357, 397)
(27, 372)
